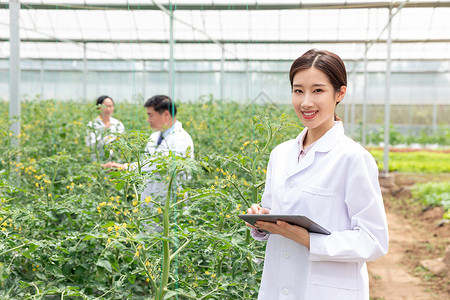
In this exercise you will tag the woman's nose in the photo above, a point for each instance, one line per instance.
(306, 101)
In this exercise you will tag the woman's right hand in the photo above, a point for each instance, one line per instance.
(113, 165)
(255, 209)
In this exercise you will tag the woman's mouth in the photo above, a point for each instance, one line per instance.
(309, 114)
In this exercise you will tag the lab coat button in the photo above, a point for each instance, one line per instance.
(286, 254)
(291, 183)
(285, 291)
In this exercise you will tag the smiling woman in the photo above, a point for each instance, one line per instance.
(104, 128)
(327, 177)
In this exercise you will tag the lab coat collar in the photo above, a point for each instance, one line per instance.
(175, 126)
(324, 144)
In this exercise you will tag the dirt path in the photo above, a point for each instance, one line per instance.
(389, 278)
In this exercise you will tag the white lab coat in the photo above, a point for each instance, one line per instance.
(98, 135)
(335, 185)
(177, 140)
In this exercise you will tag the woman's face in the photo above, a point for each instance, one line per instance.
(314, 99)
(107, 108)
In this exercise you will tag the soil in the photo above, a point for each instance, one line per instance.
(416, 233)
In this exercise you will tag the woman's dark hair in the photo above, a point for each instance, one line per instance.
(103, 98)
(161, 103)
(327, 62)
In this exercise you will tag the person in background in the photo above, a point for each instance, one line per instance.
(168, 135)
(104, 128)
(327, 177)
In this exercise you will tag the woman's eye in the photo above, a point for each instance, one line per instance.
(298, 91)
(318, 90)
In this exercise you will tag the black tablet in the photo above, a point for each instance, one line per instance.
(301, 221)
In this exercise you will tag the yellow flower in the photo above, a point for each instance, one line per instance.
(110, 228)
(139, 247)
(49, 194)
(213, 275)
(159, 210)
(136, 254)
(37, 184)
(148, 279)
(148, 199)
(135, 203)
(135, 210)
(147, 263)
(213, 187)
(207, 273)
(124, 225)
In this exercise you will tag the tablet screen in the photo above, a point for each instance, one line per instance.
(299, 220)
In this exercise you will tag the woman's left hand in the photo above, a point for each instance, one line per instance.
(293, 232)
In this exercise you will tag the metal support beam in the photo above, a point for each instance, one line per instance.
(14, 69)
(41, 78)
(144, 80)
(171, 60)
(207, 40)
(222, 76)
(236, 6)
(84, 73)
(387, 106)
(364, 106)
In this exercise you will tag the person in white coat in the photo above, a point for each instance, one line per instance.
(104, 129)
(329, 178)
(169, 135)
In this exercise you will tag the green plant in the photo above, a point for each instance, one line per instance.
(433, 193)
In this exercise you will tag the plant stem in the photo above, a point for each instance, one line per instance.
(166, 253)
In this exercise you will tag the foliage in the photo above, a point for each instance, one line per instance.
(415, 161)
(426, 136)
(433, 193)
(70, 229)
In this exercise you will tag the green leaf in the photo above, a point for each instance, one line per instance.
(104, 264)
(132, 279)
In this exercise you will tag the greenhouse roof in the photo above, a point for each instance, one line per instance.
(237, 30)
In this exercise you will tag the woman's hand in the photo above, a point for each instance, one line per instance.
(113, 165)
(255, 209)
(293, 232)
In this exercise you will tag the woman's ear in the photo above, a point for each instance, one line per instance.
(341, 93)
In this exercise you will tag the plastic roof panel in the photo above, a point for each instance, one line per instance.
(259, 34)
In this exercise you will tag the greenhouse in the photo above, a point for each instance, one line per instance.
(76, 220)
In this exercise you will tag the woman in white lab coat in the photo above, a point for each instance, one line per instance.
(104, 129)
(327, 177)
